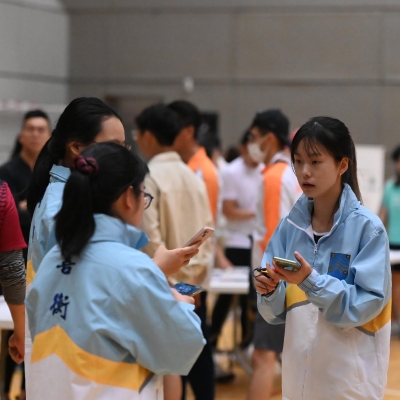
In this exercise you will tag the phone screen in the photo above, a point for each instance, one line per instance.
(186, 289)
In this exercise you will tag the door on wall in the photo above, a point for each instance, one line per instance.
(128, 107)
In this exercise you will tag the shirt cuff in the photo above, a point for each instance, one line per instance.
(188, 306)
(308, 284)
(270, 296)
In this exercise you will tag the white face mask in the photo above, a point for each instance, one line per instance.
(255, 152)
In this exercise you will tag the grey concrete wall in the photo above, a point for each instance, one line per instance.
(309, 57)
(34, 50)
(34, 65)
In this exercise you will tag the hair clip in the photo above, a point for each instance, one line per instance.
(87, 166)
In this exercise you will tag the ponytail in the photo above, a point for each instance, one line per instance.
(75, 227)
(99, 176)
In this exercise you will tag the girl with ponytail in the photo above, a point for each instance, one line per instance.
(84, 122)
(133, 328)
(336, 302)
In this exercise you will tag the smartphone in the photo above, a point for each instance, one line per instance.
(201, 236)
(186, 289)
(288, 265)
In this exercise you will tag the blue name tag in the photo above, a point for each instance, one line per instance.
(339, 265)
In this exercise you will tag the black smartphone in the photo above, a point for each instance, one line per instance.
(186, 289)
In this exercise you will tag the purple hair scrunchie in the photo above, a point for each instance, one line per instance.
(87, 166)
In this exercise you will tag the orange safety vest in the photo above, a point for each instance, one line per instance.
(272, 180)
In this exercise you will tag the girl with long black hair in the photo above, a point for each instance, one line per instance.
(84, 122)
(103, 319)
(337, 305)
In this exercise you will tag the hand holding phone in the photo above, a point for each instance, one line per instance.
(287, 265)
(262, 285)
(263, 271)
(181, 297)
(201, 236)
(186, 289)
(171, 261)
(293, 273)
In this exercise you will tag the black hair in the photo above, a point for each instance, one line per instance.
(28, 115)
(188, 113)
(86, 193)
(275, 121)
(334, 137)
(246, 137)
(210, 141)
(231, 153)
(396, 154)
(163, 123)
(36, 114)
(395, 158)
(82, 121)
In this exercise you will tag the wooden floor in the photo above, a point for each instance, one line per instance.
(237, 389)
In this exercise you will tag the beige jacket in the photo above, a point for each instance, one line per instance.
(180, 208)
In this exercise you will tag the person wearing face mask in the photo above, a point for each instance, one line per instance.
(279, 192)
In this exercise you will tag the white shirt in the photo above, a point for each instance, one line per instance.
(241, 183)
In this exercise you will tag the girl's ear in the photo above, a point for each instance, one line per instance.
(129, 199)
(344, 165)
(125, 199)
(75, 148)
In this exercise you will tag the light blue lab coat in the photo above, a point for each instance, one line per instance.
(116, 305)
(338, 319)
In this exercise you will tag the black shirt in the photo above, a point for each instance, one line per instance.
(317, 237)
(17, 174)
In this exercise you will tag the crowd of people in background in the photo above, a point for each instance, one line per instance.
(106, 228)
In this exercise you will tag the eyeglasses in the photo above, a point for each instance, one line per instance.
(126, 145)
(148, 198)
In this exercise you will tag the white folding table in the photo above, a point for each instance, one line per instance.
(394, 257)
(232, 281)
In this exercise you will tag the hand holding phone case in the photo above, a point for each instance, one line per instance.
(201, 236)
(287, 265)
(187, 290)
